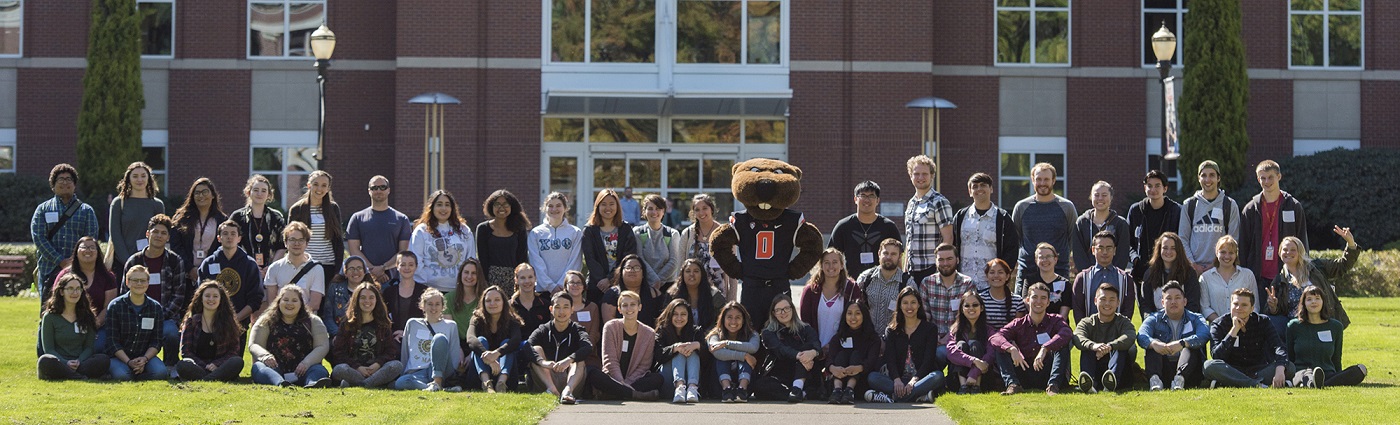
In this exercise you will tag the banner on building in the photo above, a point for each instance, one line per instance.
(1173, 143)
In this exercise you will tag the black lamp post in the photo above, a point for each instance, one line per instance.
(322, 45)
(1164, 46)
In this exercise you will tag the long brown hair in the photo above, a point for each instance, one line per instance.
(100, 268)
(188, 213)
(380, 314)
(87, 320)
(124, 187)
(664, 327)
(481, 319)
(476, 289)
(1181, 269)
(596, 220)
(226, 327)
(334, 229)
(274, 312)
(745, 330)
(454, 218)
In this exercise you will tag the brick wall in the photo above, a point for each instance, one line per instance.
(1105, 32)
(436, 28)
(353, 153)
(1381, 29)
(1105, 123)
(963, 32)
(211, 29)
(56, 29)
(47, 130)
(1264, 26)
(885, 30)
(209, 125)
(819, 31)
(1270, 120)
(360, 30)
(1380, 105)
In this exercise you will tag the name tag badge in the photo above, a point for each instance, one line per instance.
(1137, 233)
(141, 244)
(318, 219)
(955, 304)
(584, 316)
(155, 279)
(892, 306)
(1217, 213)
(51, 217)
(148, 323)
(626, 346)
(1269, 252)
(424, 335)
(1187, 328)
(1042, 338)
(1059, 285)
(199, 254)
(214, 268)
(867, 258)
(1324, 336)
(1288, 216)
(259, 259)
(78, 330)
(847, 343)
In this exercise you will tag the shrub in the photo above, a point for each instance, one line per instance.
(1376, 274)
(19, 194)
(1344, 188)
(14, 286)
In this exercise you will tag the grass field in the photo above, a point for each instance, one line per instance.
(29, 400)
(1371, 340)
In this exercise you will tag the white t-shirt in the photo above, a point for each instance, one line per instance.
(829, 312)
(281, 272)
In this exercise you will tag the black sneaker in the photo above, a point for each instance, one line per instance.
(741, 395)
(850, 396)
(727, 395)
(837, 394)
(795, 396)
(1110, 381)
(1318, 378)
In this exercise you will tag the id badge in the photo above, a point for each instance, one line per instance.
(1269, 252)
(867, 258)
(199, 253)
(259, 258)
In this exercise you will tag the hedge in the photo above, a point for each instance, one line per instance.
(1376, 274)
(1345, 188)
(19, 194)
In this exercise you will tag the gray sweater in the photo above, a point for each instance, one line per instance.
(1200, 229)
(736, 350)
(127, 219)
(660, 251)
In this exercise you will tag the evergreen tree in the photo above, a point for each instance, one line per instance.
(1213, 109)
(109, 125)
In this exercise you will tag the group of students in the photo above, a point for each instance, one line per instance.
(623, 311)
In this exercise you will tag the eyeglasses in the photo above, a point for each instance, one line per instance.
(296, 240)
(632, 268)
(86, 247)
(63, 179)
(783, 310)
(355, 269)
(379, 187)
(73, 289)
(130, 280)
(202, 192)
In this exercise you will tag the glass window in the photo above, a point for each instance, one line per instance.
(563, 129)
(704, 131)
(1155, 13)
(7, 158)
(1326, 34)
(11, 27)
(625, 130)
(154, 145)
(157, 27)
(1033, 32)
(729, 31)
(280, 28)
(621, 31)
(1016, 175)
(287, 168)
(563, 178)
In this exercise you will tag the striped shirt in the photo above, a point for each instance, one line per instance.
(923, 219)
(320, 246)
(999, 311)
(52, 251)
(943, 302)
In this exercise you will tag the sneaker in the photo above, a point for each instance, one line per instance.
(1086, 383)
(1213, 383)
(877, 397)
(1052, 389)
(692, 394)
(679, 397)
(1110, 381)
(453, 389)
(433, 387)
(727, 395)
(741, 395)
(1178, 383)
(974, 389)
(836, 395)
(1318, 378)
(344, 384)
(795, 396)
(923, 398)
(320, 383)
(1012, 389)
(962, 390)
(1155, 383)
(487, 387)
(849, 396)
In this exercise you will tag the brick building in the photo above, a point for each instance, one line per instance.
(577, 95)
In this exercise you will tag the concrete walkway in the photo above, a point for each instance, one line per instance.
(769, 413)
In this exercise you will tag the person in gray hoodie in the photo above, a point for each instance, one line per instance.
(1100, 218)
(659, 245)
(1206, 216)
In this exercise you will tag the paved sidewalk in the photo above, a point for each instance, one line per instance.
(713, 412)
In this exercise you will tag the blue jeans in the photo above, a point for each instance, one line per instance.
(170, 347)
(881, 382)
(1053, 373)
(507, 360)
(441, 366)
(155, 369)
(101, 345)
(262, 374)
(1229, 376)
(729, 368)
(683, 369)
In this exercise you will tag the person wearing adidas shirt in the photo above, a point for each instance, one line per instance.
(1206, 216)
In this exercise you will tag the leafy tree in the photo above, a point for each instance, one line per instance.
(109, 125)
(1213, 107)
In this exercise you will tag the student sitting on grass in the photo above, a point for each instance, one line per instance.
(1315, 345)
(585, 312)
(288, 344)
(912, 371)
(135, 322)
(211, 341)
(628, 346)
(794, 354)
(430, 352)
(68, 334)
(678, 349)
(365, 352)
(402, 295)
(1244, 350)
(494, 337)
(733, 342)
(1174, 339)
(1043, 333)
(854, 352)
(972, 357)
(1105, 341)
(560, 349)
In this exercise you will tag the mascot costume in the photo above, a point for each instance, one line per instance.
(766, 235)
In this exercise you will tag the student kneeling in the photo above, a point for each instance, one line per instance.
(1045, 334)
(1245, 350)
(1106, 343)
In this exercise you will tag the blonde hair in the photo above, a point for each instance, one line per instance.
(1224, 242)
(917, 160)
(629, 294)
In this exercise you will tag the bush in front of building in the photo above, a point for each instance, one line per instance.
(1376, 274)
(19, 194)
(16, 285)
(109, 124)
(1348, 188)
(1214, 103)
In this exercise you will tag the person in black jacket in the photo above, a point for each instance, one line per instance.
(854, 352)
(606, 239)
(1244, 348)
(859, 235)
(912, 371)
(1167, 263)
(1150, 218)
(679, 346)
(502, 241)
(560, 348)
(1265, 221)
(975, 246)
(794, 354)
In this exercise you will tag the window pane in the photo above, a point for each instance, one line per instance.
(566, 33)
(1159, 4)
(718, 173)
(1306, 5)
(1013, 37)
(623, 31)
(1058, 160)
(1307, 39)
(7, 158)
(1151, 22)
(1014, 190)
(1015, 165)
(153, 156)
(633, 130)
(563, 129)
(644, 173)
(1052, 37)
(765, 31)
(276, 181)
(1052, 3)
(705, 131)
(765, 131)
(1349, 5)
(304, 19)
(563, 178)
(265, 27)
(724, 205)
(682, 173)
(11, 21)
(708, 31)
(267, 159)
(302, 160)
(1344, 42)
(608, 173)
(295, 187)
(157, 28)
(1013, 3)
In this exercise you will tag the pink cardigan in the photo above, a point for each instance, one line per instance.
(641, 352)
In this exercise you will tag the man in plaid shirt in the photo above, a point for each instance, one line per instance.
(136, 325)
(928, 219)
(942, 295)
(57, 225)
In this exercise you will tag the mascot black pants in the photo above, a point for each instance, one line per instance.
(757, 297)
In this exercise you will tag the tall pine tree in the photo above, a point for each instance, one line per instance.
(1213, 110)
(109, 125)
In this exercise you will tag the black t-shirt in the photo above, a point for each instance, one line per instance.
(852, 238)
(207, 347)
(629, 344)
(401, 309)
(538, 314)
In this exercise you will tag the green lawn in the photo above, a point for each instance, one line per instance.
(1370, 340)
(29, 400)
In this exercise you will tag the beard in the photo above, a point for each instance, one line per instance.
(1044, 190)
(947, 272)
(890, 266)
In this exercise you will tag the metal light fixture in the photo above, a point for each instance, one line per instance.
(322, 43)
(1164, 47)
(1163, 43)
(930, 140)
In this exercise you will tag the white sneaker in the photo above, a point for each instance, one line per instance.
(1154, 383)
(877, 397)
(692, 394)
(453, 389)
(679, 396)
(923, 398)
(1178, 383)
(1213, 383)
(433, 387)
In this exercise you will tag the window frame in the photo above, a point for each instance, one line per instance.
(1326, 13)
(1302, 147)
(19, 53)
(286, 27)
(174, 13)
(666, 39)
(1032, 9)
(1145, 47)
(8, 139)
(286, 140)
(158, 139)
(1033, 146)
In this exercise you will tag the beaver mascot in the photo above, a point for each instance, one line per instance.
(766, 234)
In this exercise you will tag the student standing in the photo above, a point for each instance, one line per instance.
(135, 204)
(928, 219)
(1099, 219)
(57, 225)
(378, 232)
(197, 224)
(983, 231)
(555, 245)
(318, 210)
(858, 236)
(1266, 220)
(695, 244)
(211, 341)
(1150, 218)
(365, 352)
(659, 245)
(501, 242)
(441, 242)
(1043, 217)
(1206, 216)
(606, 239)
(260, 225)
(68, 335)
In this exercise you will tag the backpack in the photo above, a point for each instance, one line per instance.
(1191, 211)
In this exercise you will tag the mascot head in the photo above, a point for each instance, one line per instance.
(766, 186)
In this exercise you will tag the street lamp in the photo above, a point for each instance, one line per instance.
(931, 139)
(322, 44)
(433, 158)
(1164, 46)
